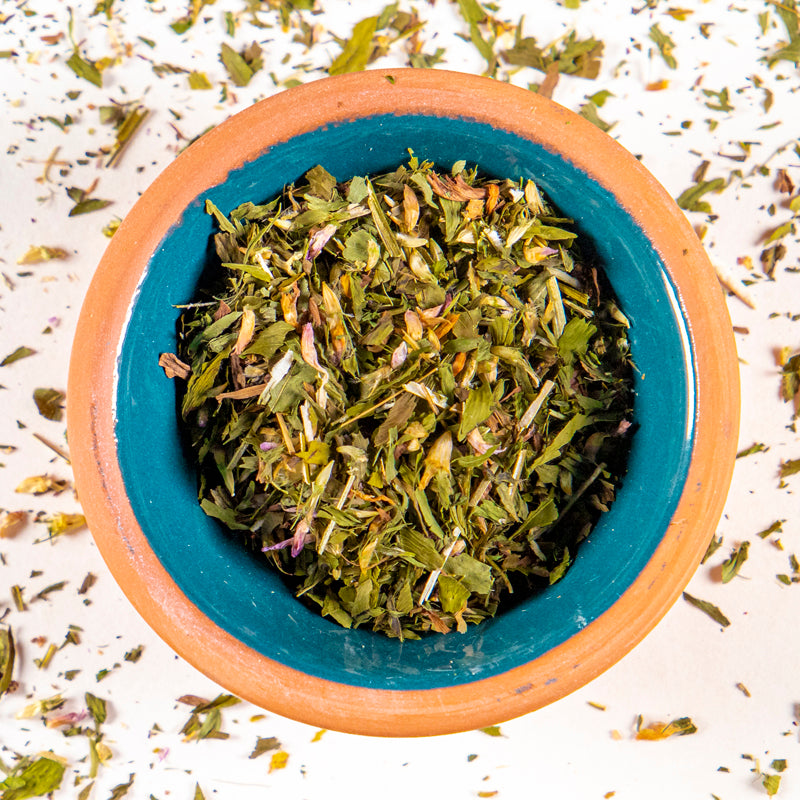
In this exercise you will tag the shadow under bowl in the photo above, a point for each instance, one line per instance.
(228, 613)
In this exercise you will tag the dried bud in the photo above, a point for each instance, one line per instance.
(399, 355)
(438, 458)
(246, 330)
(410, 208)
(413, 325)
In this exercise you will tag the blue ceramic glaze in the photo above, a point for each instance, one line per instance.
(236, 589)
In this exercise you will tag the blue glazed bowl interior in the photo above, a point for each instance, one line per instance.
(239, 592)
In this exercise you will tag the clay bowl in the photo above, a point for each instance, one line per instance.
(225, 611)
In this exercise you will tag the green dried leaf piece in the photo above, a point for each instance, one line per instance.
(357, 50)
(50, 403)
(707, 608)
(17, 355)
(33, 778)
(732, 565)
(665, 46)
(7, 653)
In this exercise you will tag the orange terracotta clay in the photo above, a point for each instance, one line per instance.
(350, 708)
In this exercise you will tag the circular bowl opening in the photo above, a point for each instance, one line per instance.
(231, 615)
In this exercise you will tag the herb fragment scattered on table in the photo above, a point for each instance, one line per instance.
(205, 721)
(84, 203)
(787, 468)
(775, 527)
(11, 522)
(50, 403)
(199, 80)
(690, 199)
(17, 355)
(356, 50)
(657, 731)
(185, 22)
(241, 66)
(121, 789)
(33, 777)
(135, 654)
(7, 654)
(126, 118)
(665, 46)
(278, 761)
(265, 745)
(713, 546)
(732, 565)
(62, 523)
(456, 321)
(758, 447)
(36, 254)
(570, 56)
(707, 608)
(82, 67)
(41, 484)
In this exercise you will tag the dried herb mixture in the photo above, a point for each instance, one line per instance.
(411, 392)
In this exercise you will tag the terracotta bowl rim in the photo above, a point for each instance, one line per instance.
(352, 708)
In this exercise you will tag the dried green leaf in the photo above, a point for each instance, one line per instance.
(689, 200)
(713, 546)
(241, 66)
(477, 408)
(121, 789)
(758, 447)
(732, 565)
(789, 467)
(658, 731)
(665, 45)
(771, 783)
(84, 68)
(97, 709)
(135, 654)
(357, 50)
(722, 100)
(34, 778)
(18, 354)
(265, 745)
(707, 608)
(7, 653)
(775, 527)
(36, 254)
(50, 403)
(589, 111)
(86, 792)
(87, 206)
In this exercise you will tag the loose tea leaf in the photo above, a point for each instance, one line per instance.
(408, 391)
(36, 254)
(665, 46)
(707, 608)
(7, 653)
(732, 565)
(657, 731)
(264, 745)
(357, 50)
(34, 777)
(16, 355)
(50, 403)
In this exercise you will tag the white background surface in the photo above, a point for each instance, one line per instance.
(687, 666)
